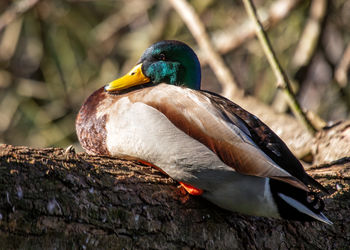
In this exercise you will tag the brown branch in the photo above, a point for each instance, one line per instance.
(341, 161)
(216, 62)
(306, 47)
(58, 199)
(310, 35)
(132, 10)
(341, 72)
(15, 10)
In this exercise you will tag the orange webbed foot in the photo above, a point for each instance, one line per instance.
(190, 189)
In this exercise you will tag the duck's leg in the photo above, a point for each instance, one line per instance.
(190, 189)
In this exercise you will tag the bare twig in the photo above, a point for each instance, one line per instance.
(282, 79)
(341, 72)
(311, 34)
(307, 44)
(216, 62)
(15, 10)
(341, 161)
(229, 39)
(9, 39)
(8, 108)
(118, 20)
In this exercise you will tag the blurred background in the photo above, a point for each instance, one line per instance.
(53, 54)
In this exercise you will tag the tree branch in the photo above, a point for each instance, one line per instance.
(306, 48)
(341, 72)
(54, 198)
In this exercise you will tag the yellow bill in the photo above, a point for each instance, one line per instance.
(132, 78)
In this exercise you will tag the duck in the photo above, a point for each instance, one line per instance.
(158, 115)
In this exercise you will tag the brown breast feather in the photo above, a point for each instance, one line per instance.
(91, 126)
(91, 131)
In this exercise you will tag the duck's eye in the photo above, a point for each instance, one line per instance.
(162, 57)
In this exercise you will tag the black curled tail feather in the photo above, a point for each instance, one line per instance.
(315, 202)
(297, 204)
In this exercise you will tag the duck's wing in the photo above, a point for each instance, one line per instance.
(204, 117)
(265, 139)
(259, 132)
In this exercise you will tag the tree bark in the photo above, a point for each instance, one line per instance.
(58, 199)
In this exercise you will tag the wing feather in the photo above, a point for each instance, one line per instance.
(199, 115)
(266, 140)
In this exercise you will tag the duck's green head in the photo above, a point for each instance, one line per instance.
(171, 62)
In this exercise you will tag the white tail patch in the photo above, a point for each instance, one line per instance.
(303, 209)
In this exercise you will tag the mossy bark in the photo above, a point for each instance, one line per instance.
(58, 199)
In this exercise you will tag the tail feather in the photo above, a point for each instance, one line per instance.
(303, 209)
(296, 204)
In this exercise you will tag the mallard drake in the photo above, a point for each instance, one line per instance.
(157, 114)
